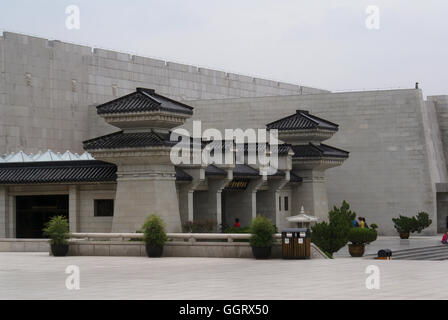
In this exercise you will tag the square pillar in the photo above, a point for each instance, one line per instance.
(4, 213)
(12, 217)
(190, 200)
(73, 209)
(312, 193)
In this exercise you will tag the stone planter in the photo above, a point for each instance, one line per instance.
(59, 250)
(154, 251)
(261, 252)
(404, 235)
(356, 250)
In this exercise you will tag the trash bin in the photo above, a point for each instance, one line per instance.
(384, 254)
(296, 243)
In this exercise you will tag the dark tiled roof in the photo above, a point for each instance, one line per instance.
(318, 151)
(65, 172)
(57, 172)
(242, 170)
(295, 178)
(302, 120)
(282, 149)
(181, 175)
(143, 100)
(120, 139)
(212, 170)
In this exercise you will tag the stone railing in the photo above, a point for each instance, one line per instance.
(191, 237)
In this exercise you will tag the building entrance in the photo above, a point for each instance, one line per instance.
(32, 212)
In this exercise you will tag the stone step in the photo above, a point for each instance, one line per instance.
(439, 252)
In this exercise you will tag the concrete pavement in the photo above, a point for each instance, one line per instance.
(39, 276)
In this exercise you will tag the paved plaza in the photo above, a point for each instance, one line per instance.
(39, 276)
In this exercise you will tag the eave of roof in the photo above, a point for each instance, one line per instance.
(57, 172)
(120, 139)
(318, 151)
(143, 100)
(302, 120)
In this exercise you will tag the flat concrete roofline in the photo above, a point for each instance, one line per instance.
(133, 57)
(308, 94)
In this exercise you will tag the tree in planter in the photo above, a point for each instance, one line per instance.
(57, 229)
(262, 238)
(423, 222)
(407, 225)
(359, 237)
(154, 235)
(332, 236)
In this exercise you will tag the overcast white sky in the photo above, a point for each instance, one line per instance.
(317, 43)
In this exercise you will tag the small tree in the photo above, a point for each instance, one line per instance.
(262, 232)
(423, 221)
(360, 236)
(417, 223)
(154, 231)
(333, 235)
(57, 229)
(404, 224)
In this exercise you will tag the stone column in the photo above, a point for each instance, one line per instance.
(144, 190)
(12, 217)
(215, 188)
(312, 193)
(253, 187)
(73, 208)
(3, 212)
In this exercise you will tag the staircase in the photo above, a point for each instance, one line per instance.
(434, 253)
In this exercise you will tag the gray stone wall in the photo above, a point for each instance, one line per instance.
(388, 171)
(46, 88)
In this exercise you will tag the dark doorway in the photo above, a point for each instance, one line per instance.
(32, 212)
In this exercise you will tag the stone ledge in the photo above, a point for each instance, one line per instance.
(137, 248)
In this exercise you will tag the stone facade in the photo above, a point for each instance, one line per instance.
(46, 88)
(397, 140)
(397, 143)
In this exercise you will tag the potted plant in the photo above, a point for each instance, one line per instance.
(261, 240)
(407, 225)
(57, 230)
(359, 237)
(154, 235)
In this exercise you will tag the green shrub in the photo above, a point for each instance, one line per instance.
(362, 235)
(423, 221)
(199, 226)
(262, 232)
(57, 229)
(404, 224)
(154, 231)
(412, 224)
(332, 236)
(237, 230)
(374, 226)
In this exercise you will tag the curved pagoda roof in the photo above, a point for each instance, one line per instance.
(120, 140)
(302, 120)
(312, 150)
(143, 100)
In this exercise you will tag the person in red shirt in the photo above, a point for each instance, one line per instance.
(237, 223)
(445, 238)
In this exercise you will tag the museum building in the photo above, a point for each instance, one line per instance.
(127, 175)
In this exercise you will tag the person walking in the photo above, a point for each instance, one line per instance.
(445, 238)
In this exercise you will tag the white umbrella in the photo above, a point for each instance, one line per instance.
(302, 218)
